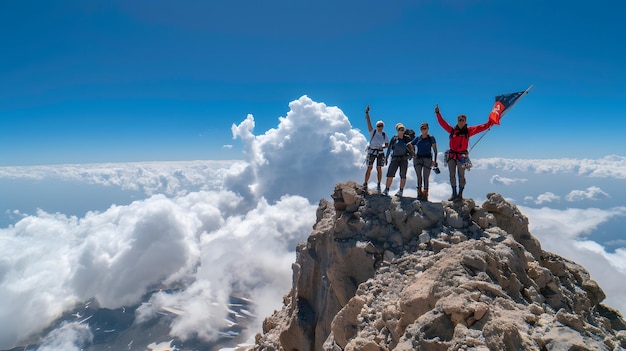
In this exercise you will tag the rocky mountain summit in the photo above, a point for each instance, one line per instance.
(388, 273)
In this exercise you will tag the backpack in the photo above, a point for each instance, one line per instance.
(410, 133)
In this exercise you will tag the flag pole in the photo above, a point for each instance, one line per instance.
(482, 136)
(503, 113)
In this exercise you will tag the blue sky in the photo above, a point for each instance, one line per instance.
(120, 81)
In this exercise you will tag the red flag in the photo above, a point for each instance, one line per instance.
(503, 103)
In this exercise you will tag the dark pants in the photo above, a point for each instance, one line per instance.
(401, 162)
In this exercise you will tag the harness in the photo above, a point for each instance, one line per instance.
(375, 152)
(458, 155)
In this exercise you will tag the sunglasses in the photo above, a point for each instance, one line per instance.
(400, 129)
(423, 128)
(379, 126)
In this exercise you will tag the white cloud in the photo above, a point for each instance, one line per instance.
(592, 193)
(496, 179)
(547, 197)
(227, 146)
(312, 148)
(156, 237)
(52, 262)
(573, 222)
(68, 337)
(257, 252)
(619, 242)
(611, 166)
(170, 178)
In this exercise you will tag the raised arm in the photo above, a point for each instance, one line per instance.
(473, 130)
(442, 122)
(367, 117)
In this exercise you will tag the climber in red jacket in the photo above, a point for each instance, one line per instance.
(457, 157)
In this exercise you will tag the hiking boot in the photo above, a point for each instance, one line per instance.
(399, 193)
(425, 195)
(365, 190)
(386, 192)
(420, 194)
(378, 188)
(454, 195)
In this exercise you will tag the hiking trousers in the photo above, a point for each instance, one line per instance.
(455, 166)
(422, 166)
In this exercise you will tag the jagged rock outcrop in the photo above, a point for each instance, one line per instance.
(383, 273)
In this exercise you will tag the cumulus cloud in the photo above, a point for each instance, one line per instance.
(313, 147)
(547, 197)
(496, 179)
(51, 262)
(156, 237)
(256, 250)
(592, 193)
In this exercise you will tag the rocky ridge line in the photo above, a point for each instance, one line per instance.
(383, 273)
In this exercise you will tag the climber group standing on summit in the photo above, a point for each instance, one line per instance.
(422, 148)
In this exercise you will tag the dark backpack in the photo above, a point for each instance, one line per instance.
(410, 133)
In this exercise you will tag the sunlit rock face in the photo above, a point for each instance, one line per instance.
(389, 273)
